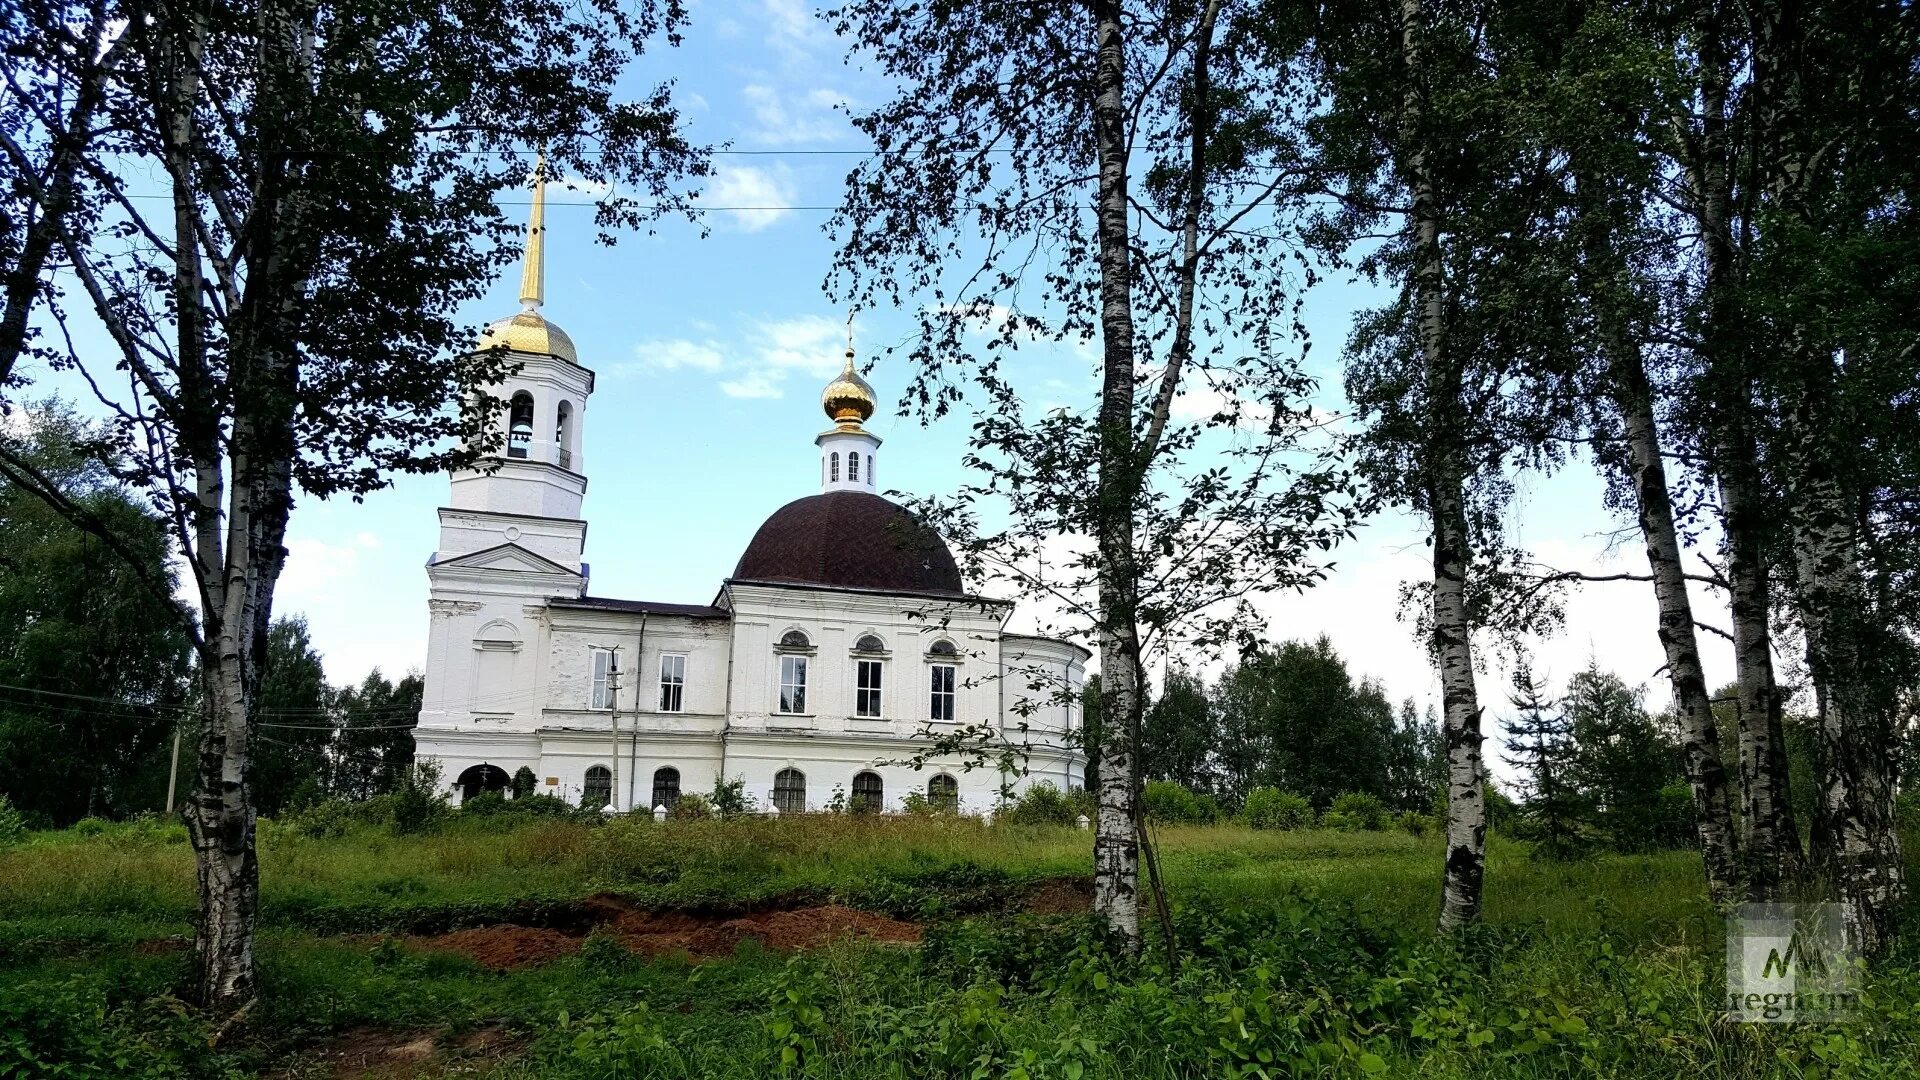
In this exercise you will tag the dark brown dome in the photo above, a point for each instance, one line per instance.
(850, 540)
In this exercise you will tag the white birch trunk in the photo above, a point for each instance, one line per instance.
(1452, 642)
(1859, 847)
(1700, 741)
(1769, 840)
(1116, 844)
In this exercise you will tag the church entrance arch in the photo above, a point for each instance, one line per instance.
(480, 779)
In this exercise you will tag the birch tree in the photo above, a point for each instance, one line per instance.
(1831, 238)
(273, 220)
(1424, 172)
(1123, 176)
(1705, 144)
(1603, 76)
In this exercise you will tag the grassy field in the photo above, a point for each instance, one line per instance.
(517, 948)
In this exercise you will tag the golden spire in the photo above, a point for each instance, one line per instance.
(533, 275)
(848, 399)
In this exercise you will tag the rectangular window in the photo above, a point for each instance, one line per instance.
(793, 684)
(943, 695)
(603, 670)
(867, 688)
(673, 681)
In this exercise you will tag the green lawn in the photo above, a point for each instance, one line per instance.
(1299, 953)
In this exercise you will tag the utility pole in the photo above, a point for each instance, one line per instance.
(173, 768)
(613, 714)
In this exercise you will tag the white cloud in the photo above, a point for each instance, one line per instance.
(674, 354)
(314, 569)
(579, 190)
(756, 360)
(792, 28)
(1202, 403)
(756, 197)
(810, 117)
(754, 384)
(808, 343)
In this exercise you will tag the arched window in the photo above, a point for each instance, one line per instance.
(666, 787)
(795, 639)
(869, 470)
(833, 467)
(790, 791)
(561, 425)
(599, 789)
(869, 794)
(853, 467)
(943, 792)
(520, 424)
(943, 647)
(869, 643)
(480, 779)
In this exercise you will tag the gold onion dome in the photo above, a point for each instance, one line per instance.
(529, 331)
(848, 400)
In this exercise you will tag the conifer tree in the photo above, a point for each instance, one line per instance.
(1540, 745)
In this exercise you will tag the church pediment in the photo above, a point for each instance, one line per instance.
(509, 557)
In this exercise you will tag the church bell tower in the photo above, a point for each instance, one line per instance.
(511, 536)
(539, 472)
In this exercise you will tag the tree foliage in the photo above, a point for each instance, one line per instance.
(94, 666)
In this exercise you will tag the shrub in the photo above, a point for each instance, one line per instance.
(1413, 824)
(916, 804)
(13, 827)
(1356, 810)
(321, 820)
(1502, 811)
(730, 797)
(485, 804)
(1171, 803)
(1271, 808)
(690, 807)
(416, 802)
(1044, 804)
(72, 1030)
(603, 952)
(523, 782)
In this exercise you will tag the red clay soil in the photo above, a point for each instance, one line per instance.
(507, 946)
(803, 928)
(503, 947)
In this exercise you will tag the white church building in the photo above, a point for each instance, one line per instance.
(817, 671)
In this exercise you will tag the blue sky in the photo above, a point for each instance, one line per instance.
(710, 354)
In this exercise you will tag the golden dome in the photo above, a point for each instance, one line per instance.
(848, 399)
(529, 332)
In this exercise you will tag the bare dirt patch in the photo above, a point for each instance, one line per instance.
(507, 946)
(802, 928)
(503, 947)
(1061, 896)
(370, 1053)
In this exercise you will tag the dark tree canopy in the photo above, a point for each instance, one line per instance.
(75, 620)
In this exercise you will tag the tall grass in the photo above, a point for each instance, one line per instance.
(1305, 953)
(147, 872)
